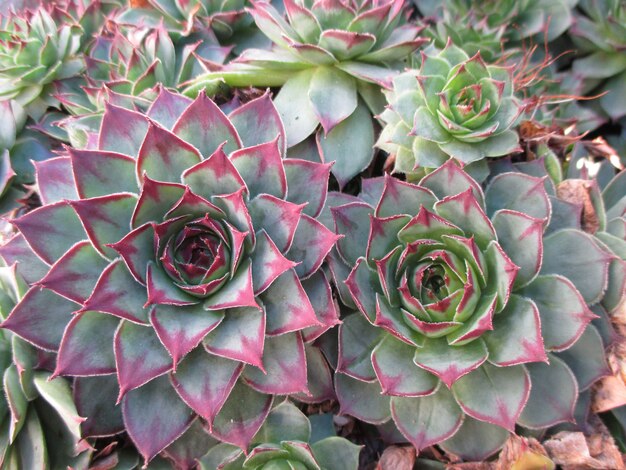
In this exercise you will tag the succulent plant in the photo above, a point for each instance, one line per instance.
(178, 261)
(39, 423)
(470, 315)
(35, 51)
(330, 58)
(522, 19)
(454, 106)
(600, 36)
(284, 441)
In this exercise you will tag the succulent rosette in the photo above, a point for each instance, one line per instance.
(522, 18)
(330, 58)
(453, 106)
(284, 441)
(175, 264)
(39, 424)
(470, 316)
(599, 34)
(35, 51)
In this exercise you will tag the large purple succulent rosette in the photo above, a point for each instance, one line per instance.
(175, 265)
(471, 313)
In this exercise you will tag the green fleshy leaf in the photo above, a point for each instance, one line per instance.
(586, 358)
(363, 400)
(18, 404)
(336, 453)
(333, 96)
(285, 422)
(518, 192)
(295, 108)
(476, 440)
(95, 398)
(58, 394)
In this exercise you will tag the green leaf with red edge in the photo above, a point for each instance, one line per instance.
(575, 255)
(117, 293)
(307, 183)
(167, 106)
(393, 319)
(357, 340)
(349, 145)
(427, 224)
(106, 219)
(287, 307)
(383, 236)
(258, 121)
(204, 381)
(475, 440)
(164, 157)
(241, 416)
(137, 249)
(261, 167)
(154, 417)
(182, 328)
(98, 173)
(304, 22)
(51, 230)
(87, 345)
(502, 402)
(501, 274)
(521, 237)
(400, 197)
(75, 274)
(546, 408)
(122, 130)
(311, 243)
(285, 368)
(277, 217)
(479, 323)
(206, 127)
(240, 336)
(563, 312)
(464, 211)
(346, 44)
(237, 292)
(516, 336)
(162, 290)
(40, 318)
(237, 212)
(318, 291)
(55, 180)
(363, 400)
(397, 373)
(426, 421)
(192, 205)
(95, 399)
(186, 451)
(29, 265)
(213, 176)
(267, 263)
(353, 221)
(139, 355)
(155, 200)
(586, 358)
(450, 363)
(319, 377)
(518, 192)
(16, 401)
(449, 178)
(333, 96)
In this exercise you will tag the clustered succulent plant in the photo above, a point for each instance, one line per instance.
(251, 235)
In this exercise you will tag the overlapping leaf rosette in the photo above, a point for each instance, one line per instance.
(285, 441)
(599, 34)
(330, 58)
(39, 424)
(174, 265)
(471, 321)
(453, 106)
(522, 18)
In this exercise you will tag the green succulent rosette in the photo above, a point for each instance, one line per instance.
(473, 307)
(39, 424)
(284, 442)
(453, 106)
(522, 18)
(600, 37)
(37, 49)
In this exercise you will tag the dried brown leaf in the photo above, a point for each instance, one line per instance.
(578, 191)
(523, 453)
(397, 458)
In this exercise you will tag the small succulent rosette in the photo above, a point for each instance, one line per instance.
(330, 59)
(175, 265)
(453, 106)
(599, 33)
(36, 50)
(471, 314)
(39, 424)
(284, 441)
